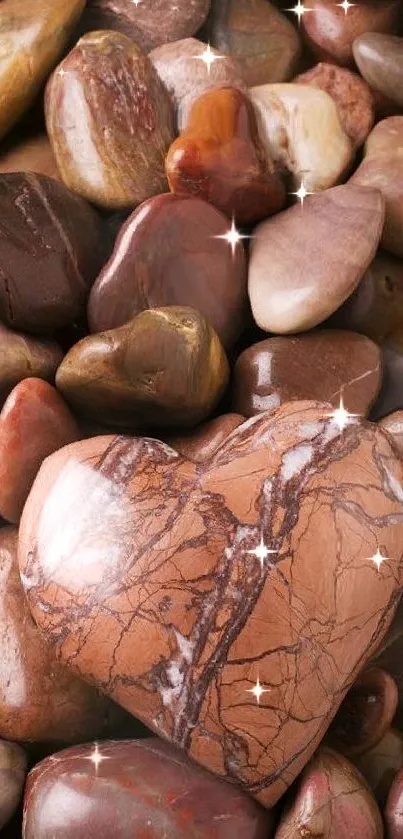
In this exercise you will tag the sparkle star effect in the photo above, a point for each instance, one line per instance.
(341, 417)
(261, 552)
(299, 10)
(96, 757)
(302, 193)
(136, 2)
(209, 57)
(233, 237)
(258, 691)
(378, 559)
(345, 5)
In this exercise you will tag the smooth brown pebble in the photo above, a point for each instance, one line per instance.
(34, 422)
(390, 398)
(187, 76)
(13, 769)
(29, 154)
(200, 444)
(22, 356)
(326, 366)
(353, 98)
(380, 61)
(166, 367)
(110, 121)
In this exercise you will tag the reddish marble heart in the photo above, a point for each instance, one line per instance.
(150, 575)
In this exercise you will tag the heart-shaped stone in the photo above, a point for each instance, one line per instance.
(228, 604)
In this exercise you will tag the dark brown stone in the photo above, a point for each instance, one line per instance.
(220, 157)
(135, 788)
(326, 365)
(166, 367)
(390, 398)
(13, 767)
(22, 356)
(365, 714)
(380, 60)
(169, 253)
(149, 574)
(34, 422)
(203, 442)
(52, 246)
(110, 121)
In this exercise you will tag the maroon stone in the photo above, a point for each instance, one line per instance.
(366, 713)
(203, 442)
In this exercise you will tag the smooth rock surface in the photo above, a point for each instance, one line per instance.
(331, 801)
(330, 32)
(382, 168)
(32, 154)
(376, 306)
(110, 121)
(390, 398)
(202, 443)
(393, 424)
(166, 367)
(52, 246)
(216, 618)
(394, 809)
(13, 767)
(220, 157)
(148, 24)
(301, 129)
(169, 253)
(264, 41)
(40, 700)
(334, 236)
(380, 764)
(187, 76)
(33, 36)
(353, 98)
(34, 422)
(380, 61)
(327, 365)
(141, 788)
(22, 356)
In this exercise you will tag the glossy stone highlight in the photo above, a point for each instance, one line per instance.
(220, 157)
(301, 129)
(110, 121)
(326, 365)
(169, 253)
(266, 44)
(380, 61)
(164, 368)
(34, 422)
(292, 289)
(52, 246)
(175, 613)
(139, 788)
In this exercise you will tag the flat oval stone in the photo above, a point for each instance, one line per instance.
(109, 140)
(34, 422)
(192, 266)
(22, 356)
(148, 24)
(329, 366)
(167, 593)
(220, 157)
(394, 809)
(380, 60)
(393, 424)
(301, 129)
(52, 246)
(330, 31)
(382, 168)
(353, 98)
(203, 442)
(331, 800)
(139, 788)
(376, 306)
(32, 154)
(13, 768)
(390, 398)
(34, 35)
(265, 42)
(334, 237)
(166, 367)
(186, 74)
(40, 700)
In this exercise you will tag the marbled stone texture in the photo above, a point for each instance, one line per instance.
(110, 121)
(169, 253)
(139, 789)
(163, 602)
(393, 424)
